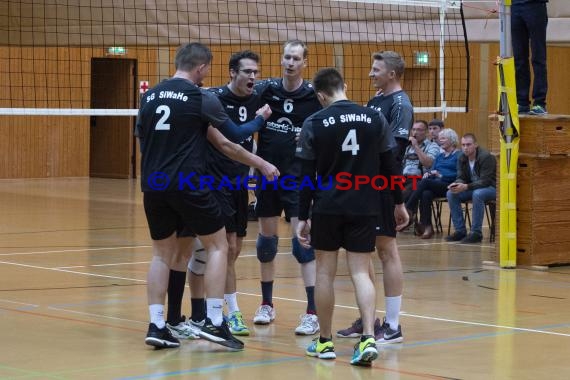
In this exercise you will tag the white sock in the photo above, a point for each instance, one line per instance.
(231, 301)
(156, 312)
(393, 306)
(214, 308)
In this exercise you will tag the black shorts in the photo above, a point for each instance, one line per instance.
(238, 221)
(386, 223)
(171, 211)
(271, 202)
(226, 207)
(355, 233)
(184, 231)
(226, 203)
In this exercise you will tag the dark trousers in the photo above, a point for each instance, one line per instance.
(427, 190)
(528, 22)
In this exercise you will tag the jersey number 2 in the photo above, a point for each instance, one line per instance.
(350, 143)
(161, 125)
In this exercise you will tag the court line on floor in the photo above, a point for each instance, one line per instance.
(264, 363)
(105, 265)
(71, 271)
(57, 317)
(419, 244)
(432, 342)
(214, 368)
(303, 301)
(405, 314)
(144, 323)
(20, 303)
(25, 373)
(291, 356)
(75, 250)
(143, 262)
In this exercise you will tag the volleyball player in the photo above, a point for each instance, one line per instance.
(292, 100)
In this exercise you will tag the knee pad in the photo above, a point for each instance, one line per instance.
(303, 255)
(197, 263)
(266, 248)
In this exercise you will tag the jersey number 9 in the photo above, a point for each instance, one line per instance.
(242, 113)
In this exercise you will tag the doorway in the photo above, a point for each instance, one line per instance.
(113, 86)
(422, 86)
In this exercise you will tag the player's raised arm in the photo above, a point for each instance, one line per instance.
(212, 107)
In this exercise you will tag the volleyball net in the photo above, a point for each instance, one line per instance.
(73, 57)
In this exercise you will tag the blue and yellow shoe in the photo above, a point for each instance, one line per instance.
(237, 325)
(537, 110)
(364, 352)
(321, 350)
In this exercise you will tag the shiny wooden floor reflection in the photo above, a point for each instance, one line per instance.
(73, 260)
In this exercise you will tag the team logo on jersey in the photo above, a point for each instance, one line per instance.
(276, 98)
(402, 132)
(282, 125)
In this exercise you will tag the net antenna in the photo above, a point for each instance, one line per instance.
(443, 6)
(48, 48)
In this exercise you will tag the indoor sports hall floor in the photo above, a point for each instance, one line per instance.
(73, 260)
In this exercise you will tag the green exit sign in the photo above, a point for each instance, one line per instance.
(116, 50)
(421, 58)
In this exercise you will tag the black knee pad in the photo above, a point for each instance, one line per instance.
(303, 255)
(266, 248)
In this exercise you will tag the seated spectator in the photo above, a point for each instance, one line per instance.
(434, 183)
(476, 176)
(418, 157)
(434, 127)
(420, 152)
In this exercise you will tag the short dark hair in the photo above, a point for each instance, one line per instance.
(437, 122)
(328, 80)
(296, 42)
(392, 60)
(469, 136)
(191, 55)
(235, 58)
(422, 122)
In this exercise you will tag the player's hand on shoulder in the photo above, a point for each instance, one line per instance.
(264, 111)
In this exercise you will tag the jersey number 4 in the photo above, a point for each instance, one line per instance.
(350, 144)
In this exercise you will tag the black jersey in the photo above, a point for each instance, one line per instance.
(240, 110)
(277, 141)
(172, 127)
(398, 110)
(344, 138)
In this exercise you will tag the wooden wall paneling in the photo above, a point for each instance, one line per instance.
(558, 66)
(320, 56)
(43, 74)
(357, 63)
